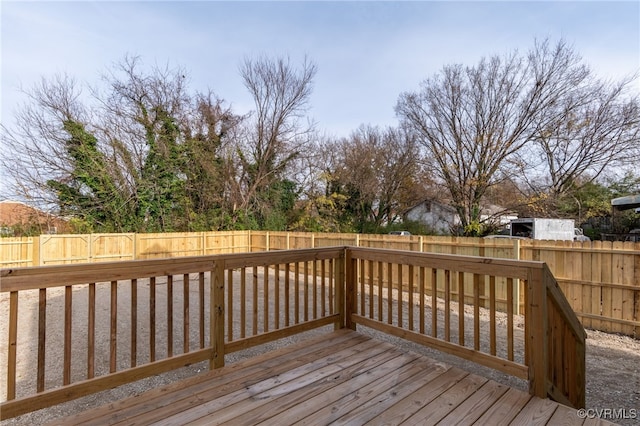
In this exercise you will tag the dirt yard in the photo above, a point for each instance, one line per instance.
(613, 362)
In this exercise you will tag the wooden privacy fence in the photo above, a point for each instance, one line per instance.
(86, 248)
(73, 330)
(601, 280)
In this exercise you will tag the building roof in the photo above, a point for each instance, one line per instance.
(430, 202)
(15, 213)
(626, 203)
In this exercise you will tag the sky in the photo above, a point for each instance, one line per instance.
(367, 53)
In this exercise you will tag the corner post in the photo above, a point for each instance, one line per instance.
(351, 269)
(537, 342)
(216, 315)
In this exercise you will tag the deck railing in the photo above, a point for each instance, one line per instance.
(87, 328)
(417, 296)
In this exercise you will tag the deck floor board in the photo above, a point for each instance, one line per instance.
(341, 378)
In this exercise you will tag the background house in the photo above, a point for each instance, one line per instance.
(442, 218)
(18, 219)
(437, 216)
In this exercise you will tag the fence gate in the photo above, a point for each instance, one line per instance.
(64, 249)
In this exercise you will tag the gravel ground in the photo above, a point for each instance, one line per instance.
(613, 361)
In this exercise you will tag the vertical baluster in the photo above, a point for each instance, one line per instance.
(276, 295)
(510, 320)
(492, 314)
(152, 319)
(461, 302)
(13, 343)
(265, 300)
(113, 351)
(323, 293)
(411, 309)
(42, 334)
(254, 306)
(66, 369)
(314, 288)
(422, 278)
(296, 292)
(400, 296)
(371, 289)
(363, 279)
(306, 291)
(447, 305)
(389, 293)
(287, 304)
(230, 305)
(169, 316)
(380, 288)
(331, 286)
(434, 302)
(243, 303)
(134, 322)
(201, 307)
(476, 311)
(185, 313)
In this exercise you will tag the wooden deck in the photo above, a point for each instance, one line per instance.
(340, 378)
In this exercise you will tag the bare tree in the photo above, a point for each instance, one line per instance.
(34, 147)
(277, 129)
(378, 171)
(135, 103)
(587, 138)
(471, 120)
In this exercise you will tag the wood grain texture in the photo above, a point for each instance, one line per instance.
(340, 377)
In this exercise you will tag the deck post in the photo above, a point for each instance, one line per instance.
(351, 268)
(216, 315)
(537, 343)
